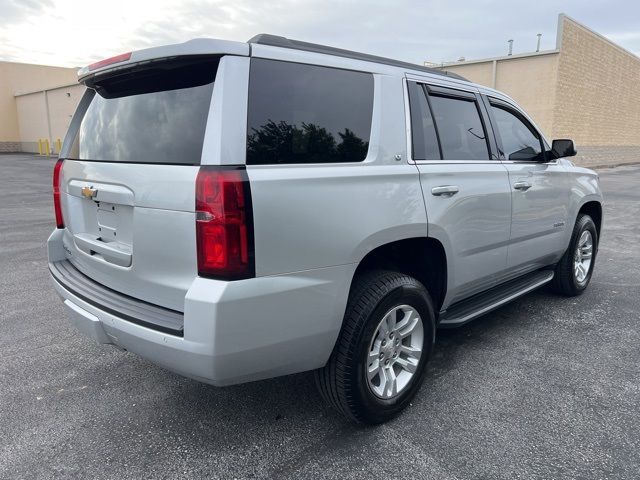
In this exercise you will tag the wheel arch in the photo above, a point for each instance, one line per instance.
(593, 208)
(423, 258)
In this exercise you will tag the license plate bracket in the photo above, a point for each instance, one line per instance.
(107, 218)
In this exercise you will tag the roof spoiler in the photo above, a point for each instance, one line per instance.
(198, 46)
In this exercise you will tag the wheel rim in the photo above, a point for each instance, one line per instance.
(394, 351)
(583, 257)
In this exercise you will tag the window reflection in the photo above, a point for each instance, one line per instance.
(158, 127)
(284, 143)
(307, 114)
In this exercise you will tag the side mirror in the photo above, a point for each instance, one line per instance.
(563, 148)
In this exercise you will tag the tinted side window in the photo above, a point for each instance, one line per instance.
(519, 141)
(462, 135)
(423, 131)
(307, 114)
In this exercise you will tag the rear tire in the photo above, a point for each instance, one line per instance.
(389, 318)
(573, 272)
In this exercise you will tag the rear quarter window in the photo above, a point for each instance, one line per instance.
(423, 131)
(307, 114)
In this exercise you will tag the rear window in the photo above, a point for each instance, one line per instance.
(460, 128)
(154, 115)
(307, 114)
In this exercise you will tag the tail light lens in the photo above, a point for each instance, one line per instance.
(224, 227)
(57, 177)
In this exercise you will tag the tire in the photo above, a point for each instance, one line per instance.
(567, 280)
(376, 299)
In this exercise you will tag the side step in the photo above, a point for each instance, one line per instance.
(466, 310)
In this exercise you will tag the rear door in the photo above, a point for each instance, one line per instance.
(466, 192)
(129, 178)
(540, 191)
(325, 184)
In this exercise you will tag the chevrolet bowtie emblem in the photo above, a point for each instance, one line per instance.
(89, 192)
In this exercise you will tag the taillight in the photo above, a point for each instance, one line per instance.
(224, 226)
(57, 177)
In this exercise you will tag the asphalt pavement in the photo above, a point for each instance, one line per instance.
(546, 387)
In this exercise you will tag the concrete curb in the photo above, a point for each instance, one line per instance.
(611, 165)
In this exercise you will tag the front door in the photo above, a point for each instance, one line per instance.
(539, 192)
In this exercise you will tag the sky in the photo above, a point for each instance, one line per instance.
(78, 32)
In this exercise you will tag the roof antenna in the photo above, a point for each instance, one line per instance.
(538, 46)
(510, 47)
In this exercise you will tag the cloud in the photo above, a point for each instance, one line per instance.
(12, 11)
(630, 40)
(73, 33)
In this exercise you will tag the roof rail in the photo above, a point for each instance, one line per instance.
(278, 41)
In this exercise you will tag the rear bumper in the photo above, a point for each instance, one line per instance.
(234, 332)
(122, 306)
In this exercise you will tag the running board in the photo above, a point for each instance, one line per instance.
(466, 310)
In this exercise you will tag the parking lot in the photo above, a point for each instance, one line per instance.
(544, 387)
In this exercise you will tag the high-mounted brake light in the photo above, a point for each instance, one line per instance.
(57, 206)
(123, 57)
(224, 223)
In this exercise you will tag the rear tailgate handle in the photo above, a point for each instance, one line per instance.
(445, 190)
(112, 252)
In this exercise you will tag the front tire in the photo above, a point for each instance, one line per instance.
(378, 363)
(573, 272)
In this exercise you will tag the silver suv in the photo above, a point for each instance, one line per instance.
(238, 211)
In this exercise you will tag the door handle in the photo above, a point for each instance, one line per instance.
(524, 186)
(446, 190)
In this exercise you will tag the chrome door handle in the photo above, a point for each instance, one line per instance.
(446, 190)
(522, 186)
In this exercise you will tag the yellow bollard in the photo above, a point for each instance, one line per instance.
(59, 145)
(46, 142)
(39, 146)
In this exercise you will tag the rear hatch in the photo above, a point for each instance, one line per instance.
(128, 182)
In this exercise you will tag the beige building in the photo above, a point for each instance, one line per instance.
(36, 103)
(586, 89)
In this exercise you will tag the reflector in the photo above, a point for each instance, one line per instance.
(57, 172)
